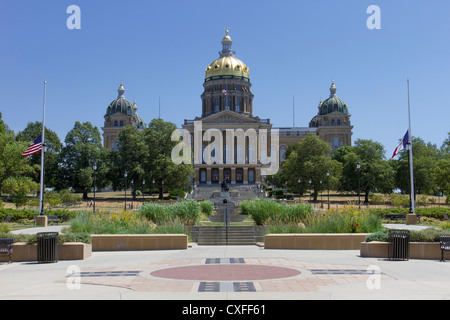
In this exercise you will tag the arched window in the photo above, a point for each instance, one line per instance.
(203, 176)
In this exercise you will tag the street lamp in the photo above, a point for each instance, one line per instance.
(358, 166)
(95, 169)
(153, 187)
(299, 189)
(143, 187)
(310, 190)
(125, 175)
(328, 186)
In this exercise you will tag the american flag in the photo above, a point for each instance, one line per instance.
(35, 147)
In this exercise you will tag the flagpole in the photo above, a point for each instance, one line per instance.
(41, 203)
(412, 208)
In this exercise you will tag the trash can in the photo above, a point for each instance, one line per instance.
(47, 247)
(399, 244)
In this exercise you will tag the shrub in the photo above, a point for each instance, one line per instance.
(207, 207)
(346, 220)
(187, 212)
(427, 235)
(264, 211)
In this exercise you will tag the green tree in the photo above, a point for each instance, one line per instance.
(425, 158)
(81, 151)
(19, 187)
(53, 148)
(130, 158)
(159, 165)
(309, 160)
(12, 164)
(375, 174)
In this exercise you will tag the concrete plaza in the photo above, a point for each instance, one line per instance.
(227, 273)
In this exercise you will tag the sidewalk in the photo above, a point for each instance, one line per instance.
(221, 272)
(224, 273)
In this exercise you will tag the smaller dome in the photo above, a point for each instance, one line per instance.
(314, 123)
(333, 103)
(121, 105)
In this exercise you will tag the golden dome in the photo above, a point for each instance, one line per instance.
(227, 66)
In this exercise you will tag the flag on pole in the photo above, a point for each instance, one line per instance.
(401, 145)
(35, 147)
(224, 92)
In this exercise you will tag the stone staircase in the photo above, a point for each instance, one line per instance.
(237, 235)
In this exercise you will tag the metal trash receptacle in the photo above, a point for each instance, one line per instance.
(47, 247)
(399, 244)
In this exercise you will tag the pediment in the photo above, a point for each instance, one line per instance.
(228, 116)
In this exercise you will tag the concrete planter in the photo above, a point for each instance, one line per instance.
(417, 250)
(129, 242)
(315, 241)
(23, 252)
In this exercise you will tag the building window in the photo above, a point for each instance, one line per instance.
(116, 123)
(238, 104)
(121, 123)
(336, 142)
(216, 104)
(282, 154)
(227, 103)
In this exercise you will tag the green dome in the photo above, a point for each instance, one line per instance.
(121, 105)
(333, 103)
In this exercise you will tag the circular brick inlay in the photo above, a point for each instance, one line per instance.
(225, 272)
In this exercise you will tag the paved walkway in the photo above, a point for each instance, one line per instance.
(221, 272)
(226, 272)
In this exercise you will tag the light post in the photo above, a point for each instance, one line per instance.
(153, 188)
(125, 175)
(310, 190)
(162, 190)
(95, 169)
(143, 188)
(321, 195)
(358, 166)
(328, 186)
(299, 189)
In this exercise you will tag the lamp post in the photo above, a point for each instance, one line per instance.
(358, 166)
(153, 187)
(328, 186)
(310, 190)
(143, 187)
(125, 175)
(95, 169)
(299, 189)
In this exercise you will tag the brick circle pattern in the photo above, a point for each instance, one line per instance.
(226, 272)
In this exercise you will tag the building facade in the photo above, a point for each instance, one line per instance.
(227, 110)
(232, 143)
(119, 113)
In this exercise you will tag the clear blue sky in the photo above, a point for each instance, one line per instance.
(293, 49)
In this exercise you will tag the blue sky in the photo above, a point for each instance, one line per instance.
(293, 49)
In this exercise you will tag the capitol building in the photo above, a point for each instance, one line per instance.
(227, 106)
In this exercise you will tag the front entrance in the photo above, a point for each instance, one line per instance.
(239, 176)
(227, 175)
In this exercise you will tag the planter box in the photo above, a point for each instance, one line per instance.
(315, 241)
(417, 250)
(23, 252)
(129, 242)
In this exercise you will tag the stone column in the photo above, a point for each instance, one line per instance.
(245, 175)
